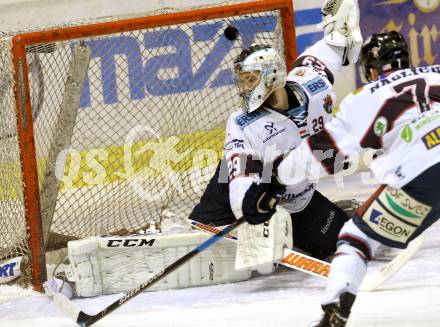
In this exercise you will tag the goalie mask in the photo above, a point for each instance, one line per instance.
(259, 71)
(384, 52)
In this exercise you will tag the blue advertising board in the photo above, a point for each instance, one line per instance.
(303, 18)
(417, 20)
(143, 72)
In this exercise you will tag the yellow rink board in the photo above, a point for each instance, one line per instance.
(91, 167)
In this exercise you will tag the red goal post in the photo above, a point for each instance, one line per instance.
(77, 92)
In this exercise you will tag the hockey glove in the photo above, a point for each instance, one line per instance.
(341, 27)
(260, 201)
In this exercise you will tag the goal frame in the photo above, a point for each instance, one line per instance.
(25, 131)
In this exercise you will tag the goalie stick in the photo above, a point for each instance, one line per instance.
(312, 266)
(291, 259)
(84, 319)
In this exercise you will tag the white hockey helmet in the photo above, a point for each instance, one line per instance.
(267, 73)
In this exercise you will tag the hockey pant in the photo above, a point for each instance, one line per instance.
(395, 217)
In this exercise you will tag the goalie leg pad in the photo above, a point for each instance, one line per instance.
(259, 245)
(107, 265)
(56, 285)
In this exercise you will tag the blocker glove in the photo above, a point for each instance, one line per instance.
(261, 199)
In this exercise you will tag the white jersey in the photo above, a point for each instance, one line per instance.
(399, 114)
(254, 141)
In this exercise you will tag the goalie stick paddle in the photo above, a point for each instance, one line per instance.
(316, 267)
(291, 259)
(84, 319)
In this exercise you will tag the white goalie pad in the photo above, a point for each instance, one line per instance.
(259, 245)
(107, 265)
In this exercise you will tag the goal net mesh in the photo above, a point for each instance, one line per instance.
(148, 132)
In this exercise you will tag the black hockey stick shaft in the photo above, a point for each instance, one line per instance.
(88, 320)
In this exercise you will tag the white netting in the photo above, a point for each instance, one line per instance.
(13, 239)
(148, 132)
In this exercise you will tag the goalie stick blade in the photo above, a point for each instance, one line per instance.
(375, 280)
(70, 309)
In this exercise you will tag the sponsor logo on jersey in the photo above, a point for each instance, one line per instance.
(234, 144)
(328, 104)
(298, 115)
(328, 223)
(130, 242)
(380, 126)
(315, 85)
(389, 226)
(432, 138)
(423, 120)
(403, 205)
(246, 119)
(270, 127)
(395, 215)
(273, 131)
(407, 134)
(10, 270)
(374, 216)
(292, 197)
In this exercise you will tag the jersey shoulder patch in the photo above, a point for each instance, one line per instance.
(246, 119)
(316, 85)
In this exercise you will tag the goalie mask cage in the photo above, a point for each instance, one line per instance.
(107, 125)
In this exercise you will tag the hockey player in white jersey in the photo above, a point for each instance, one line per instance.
(274, 117)
(398, 113)
(277, 112)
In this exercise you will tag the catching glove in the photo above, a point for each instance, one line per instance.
(341, 27)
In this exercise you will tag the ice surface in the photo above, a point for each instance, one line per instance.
(411, 298)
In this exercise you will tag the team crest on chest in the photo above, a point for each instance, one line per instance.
(328, 104)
